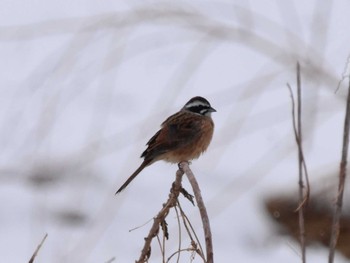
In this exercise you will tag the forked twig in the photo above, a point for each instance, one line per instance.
(190, 230)
(341, 184)
(171, 202)
(345, 74)
(297, 127)
(299, 143)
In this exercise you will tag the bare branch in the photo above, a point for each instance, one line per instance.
(342, 177)
(37, 249)
(345, 74)
(159, 219)
(297, 127)
(190, 230)
(307, 193)
(301, 160)
(180, 236)
(203, 211)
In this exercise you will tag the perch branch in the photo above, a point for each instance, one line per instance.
(171, 202)
(203, 211)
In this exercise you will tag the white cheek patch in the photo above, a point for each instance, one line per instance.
(203, 111)
(206, 113)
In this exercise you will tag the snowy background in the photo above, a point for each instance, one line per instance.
(85, 84)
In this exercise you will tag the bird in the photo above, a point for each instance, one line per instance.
(183, 136)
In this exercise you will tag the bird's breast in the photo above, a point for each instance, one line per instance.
(196, 145)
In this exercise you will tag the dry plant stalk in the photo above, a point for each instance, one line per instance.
(203, 211)
(342, 176)
(172, 201)
(195, 243)
(159, 219)
(297, 127)
(37, 249)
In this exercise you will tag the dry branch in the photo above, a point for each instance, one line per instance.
(297, 127)
(341, 184)
(195, 243)
(301, 160)
(37, 249)
(159, 219)
(203, 211)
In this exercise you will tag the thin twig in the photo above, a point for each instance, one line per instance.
(303, 198)
(203, 211)
(37, 249)
(189, 228)
(163, 243)
(300, 161)
(342, 177)
(179, 229)
(171, 202)
(345, 74)
(160, 246)
(110, 260)
(179, 252)
(135, 228)
(307, 192)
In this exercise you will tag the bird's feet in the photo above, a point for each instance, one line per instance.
(180, 164)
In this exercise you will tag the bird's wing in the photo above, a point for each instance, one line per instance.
(177, 131)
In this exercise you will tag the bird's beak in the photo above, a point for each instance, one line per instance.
(212, 109)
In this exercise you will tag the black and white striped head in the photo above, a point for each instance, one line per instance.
(199, 105)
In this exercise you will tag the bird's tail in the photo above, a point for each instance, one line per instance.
(132, 177)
